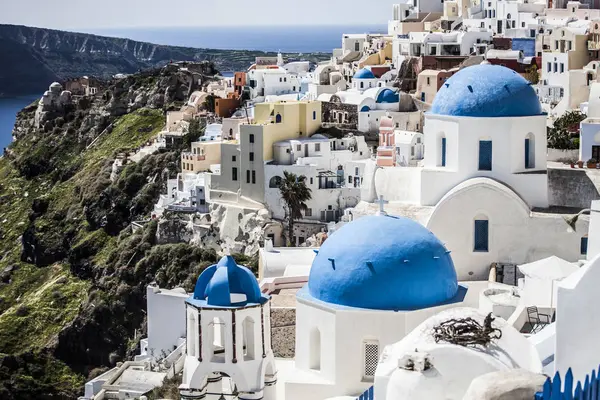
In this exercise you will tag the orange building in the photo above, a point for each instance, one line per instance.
(239, 81)
(224, 108)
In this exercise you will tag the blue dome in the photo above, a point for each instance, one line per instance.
(383, 263)
(227, 284)
(364, 74)
(486, 91)
(388, 96)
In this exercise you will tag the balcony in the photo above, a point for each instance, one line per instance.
(192, 157)
(593, 45)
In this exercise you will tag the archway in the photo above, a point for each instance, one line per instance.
(249, 341)
(216, 340)
(275, 182)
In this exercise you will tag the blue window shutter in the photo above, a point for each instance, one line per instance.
(526, 153)
(485, 155)
(482, 235)
(584, 246)
(443, 152)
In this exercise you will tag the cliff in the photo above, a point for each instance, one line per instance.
(72, 271)
(34, 57)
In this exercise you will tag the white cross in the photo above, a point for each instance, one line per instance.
(382, 204)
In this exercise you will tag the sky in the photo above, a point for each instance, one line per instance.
(107, 14)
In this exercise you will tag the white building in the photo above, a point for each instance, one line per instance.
(589, 139)
(334, 183)
(484, 172)
(228, 336)
(186, 193)
(272, 82)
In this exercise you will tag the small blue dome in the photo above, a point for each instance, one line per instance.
(383, 263)
(227, 284)
(486, 91)
(388, 96)
(364, 74)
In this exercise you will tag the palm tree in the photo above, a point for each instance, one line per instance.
(295, 194)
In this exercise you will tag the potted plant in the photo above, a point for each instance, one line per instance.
(591, 164)
(580, 164)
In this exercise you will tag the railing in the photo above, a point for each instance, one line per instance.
(554, 390)
(367, 395)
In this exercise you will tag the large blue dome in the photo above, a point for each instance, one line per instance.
(227, 284)
(383, 263)
(486, 91)
(388, 96)
(364, 74)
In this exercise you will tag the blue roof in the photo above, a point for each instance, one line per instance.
(364, 74)
(388, 96)
(383, 263)
(219, 282)
(486, 91)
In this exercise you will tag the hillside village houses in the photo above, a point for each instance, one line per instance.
(434, 199)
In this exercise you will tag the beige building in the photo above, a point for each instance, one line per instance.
(429, 82)
(201, 157)
(242, 162)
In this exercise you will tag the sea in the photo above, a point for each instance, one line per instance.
(292, 39)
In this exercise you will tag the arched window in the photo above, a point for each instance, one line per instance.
(314, 360)
(275, 182)
(508, 16)
(485, 155)
(530, 151)
(362, 85)
(191, 335)
(481, 234)
(365, 109)
(370, 358)
(442, 150)
(278, 119)
(248, 328)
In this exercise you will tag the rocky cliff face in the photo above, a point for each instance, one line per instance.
(72, 271)
(34, 57)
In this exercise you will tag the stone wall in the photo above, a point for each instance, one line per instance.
(563, 155)
(283, 331)
(573, 187)
(327, 109)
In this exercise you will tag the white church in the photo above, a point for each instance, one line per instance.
(483, 185)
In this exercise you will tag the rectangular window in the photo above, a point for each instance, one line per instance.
(308, 212)
(251, 156)
(584, 246)
(299, 147)
(371, 358)
(485, 155)
(233, 158)
(311, 181)
(555, 67)
(428, 81)
(247, 176)
(253, 177)
(252, 138)
(317, 146)
(482, 236)
(314, 115)
(234, 174)
(443, 152)
(549, 67)
(562, 68)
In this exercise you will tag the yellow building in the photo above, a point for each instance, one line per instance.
(273, 122)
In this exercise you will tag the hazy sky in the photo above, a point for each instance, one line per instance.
(91, 14)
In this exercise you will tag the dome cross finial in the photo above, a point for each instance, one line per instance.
(382, 202)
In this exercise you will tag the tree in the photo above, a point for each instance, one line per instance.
(295, 194)
(209, 103)
(563, 134)
(532, 75)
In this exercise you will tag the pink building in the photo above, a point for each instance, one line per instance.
(386, 156)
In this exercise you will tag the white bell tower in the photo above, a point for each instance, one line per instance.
(228, 337)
